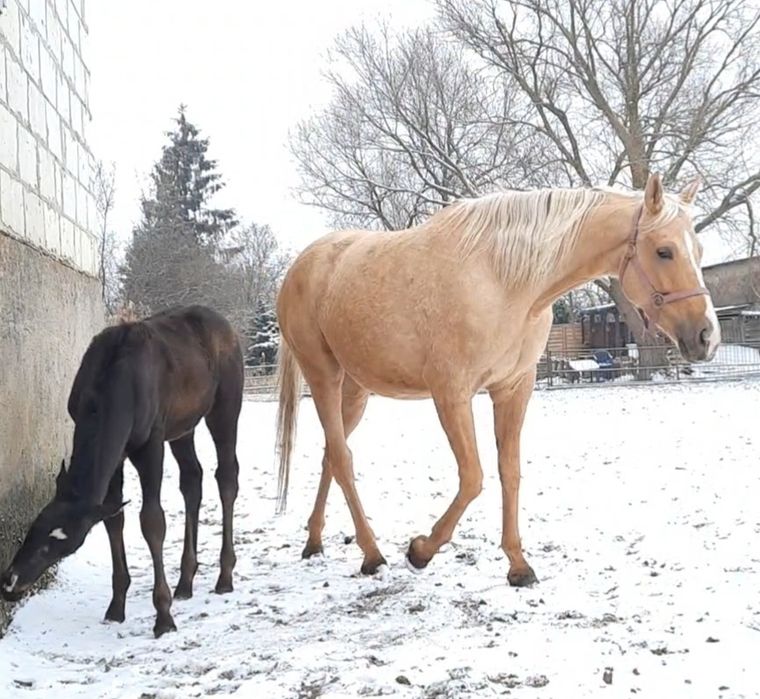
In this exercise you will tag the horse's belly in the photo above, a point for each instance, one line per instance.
(390, 378)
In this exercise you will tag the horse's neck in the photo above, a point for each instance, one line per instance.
(598, 250)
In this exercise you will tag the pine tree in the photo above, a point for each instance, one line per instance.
(265, 338)
(172, 258)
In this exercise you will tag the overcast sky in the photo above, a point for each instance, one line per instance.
(248, 70)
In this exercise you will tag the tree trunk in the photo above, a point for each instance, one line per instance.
(652, 349)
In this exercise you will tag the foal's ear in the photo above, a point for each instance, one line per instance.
(689, 192)
(108, 510)
(60, 479)
(653, 194)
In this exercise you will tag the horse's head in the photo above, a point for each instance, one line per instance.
(58, 531)
(661, 274)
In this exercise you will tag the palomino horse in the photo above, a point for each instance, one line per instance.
(463, 302)
(139, 385)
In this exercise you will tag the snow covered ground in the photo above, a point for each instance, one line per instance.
(639, 514)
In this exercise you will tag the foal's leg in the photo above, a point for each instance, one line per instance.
(115, 528)
(191, 485)
(149, 461)
(353, 405)
(222, 422)
(509, 407)
(456, 417)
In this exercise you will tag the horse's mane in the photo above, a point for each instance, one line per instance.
(526, 234)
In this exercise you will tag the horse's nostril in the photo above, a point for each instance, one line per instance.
(704, 336)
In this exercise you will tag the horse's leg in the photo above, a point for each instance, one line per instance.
(115, 528)
(456, 419)
(149, 461)
(222, 422)
(509, 407)
(353, 405)
(191, 485)
(326, 392)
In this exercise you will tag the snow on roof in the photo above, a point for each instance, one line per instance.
(583, 364)
(735, 307)
(593, 309)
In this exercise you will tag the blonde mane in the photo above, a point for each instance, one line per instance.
(526, 234)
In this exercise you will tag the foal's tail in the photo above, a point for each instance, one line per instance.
(289, 381)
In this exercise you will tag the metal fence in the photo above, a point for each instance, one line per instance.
(598, 367)
(635, 364)
(261, 381)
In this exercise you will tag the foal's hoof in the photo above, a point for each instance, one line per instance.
(115, 614)
(311, 550)
(163, 627)
(371, 567)
(413, 554)
(223, 587)
(183, 591)
(525, 577)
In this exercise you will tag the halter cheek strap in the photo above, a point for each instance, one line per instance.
(657, 299)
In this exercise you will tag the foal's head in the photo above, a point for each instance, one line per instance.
(58, 531)
(661, 273)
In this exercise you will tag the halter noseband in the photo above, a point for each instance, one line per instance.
(657, 299)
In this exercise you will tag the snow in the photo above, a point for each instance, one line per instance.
(643, 532)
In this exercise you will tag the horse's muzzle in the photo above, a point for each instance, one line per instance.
(699, 345)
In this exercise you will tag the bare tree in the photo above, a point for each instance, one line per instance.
(413, 126)
(622, 87)
(255, 264)
(108, 267)
(533, 93)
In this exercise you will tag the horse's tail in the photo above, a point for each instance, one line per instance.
(289, 381)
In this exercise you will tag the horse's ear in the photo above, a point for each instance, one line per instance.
(689, 192)
(653, 194)
(60, 481)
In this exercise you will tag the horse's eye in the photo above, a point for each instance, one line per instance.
(665, 253)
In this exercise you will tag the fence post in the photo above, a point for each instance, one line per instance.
(549, 367)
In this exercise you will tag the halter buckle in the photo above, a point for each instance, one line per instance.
(658, 299)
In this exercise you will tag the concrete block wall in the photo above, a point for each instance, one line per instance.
(50, 303)
(46, 166)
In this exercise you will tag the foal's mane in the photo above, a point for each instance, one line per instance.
(113, 344)
(526, 234)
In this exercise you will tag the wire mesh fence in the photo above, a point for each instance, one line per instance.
(593, 367)
(633, 364)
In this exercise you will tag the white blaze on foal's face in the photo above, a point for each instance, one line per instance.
(12, 584)
(58, 534)
(710, 309)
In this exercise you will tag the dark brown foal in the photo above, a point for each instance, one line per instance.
(140, 385)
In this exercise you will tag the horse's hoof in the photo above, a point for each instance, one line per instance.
(414, 558)
(522, 578)
(163, 627)
(371, 567)
(410, 567)
(310, 550)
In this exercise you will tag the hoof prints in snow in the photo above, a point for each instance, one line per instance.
(638, 513)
